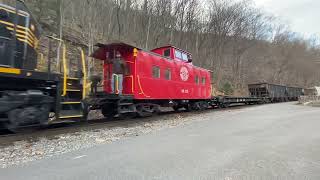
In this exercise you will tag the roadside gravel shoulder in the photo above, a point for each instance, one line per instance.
(21, 152)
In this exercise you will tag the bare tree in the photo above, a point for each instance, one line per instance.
(238, 42)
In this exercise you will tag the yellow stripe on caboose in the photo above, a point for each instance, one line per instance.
(10, 70)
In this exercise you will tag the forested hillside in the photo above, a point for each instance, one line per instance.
(239, 42)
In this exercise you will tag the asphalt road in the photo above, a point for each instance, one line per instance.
(276, 141)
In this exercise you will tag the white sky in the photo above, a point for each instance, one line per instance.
(303, 16)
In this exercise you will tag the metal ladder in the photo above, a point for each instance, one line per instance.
(73, 92)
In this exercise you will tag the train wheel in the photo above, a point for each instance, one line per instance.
(226, 105)
(141, 111)
(85, 112)
(147, 110)
(197, 106)
(176, 108)
(204, 106)
(188, 107)
(28, 119)
(109, 110)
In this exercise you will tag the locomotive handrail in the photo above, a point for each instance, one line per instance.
(54, 38)
(6, 38)
(84, 67)
(41, 56)
(49, 63)
(65, 69)
(64, 62)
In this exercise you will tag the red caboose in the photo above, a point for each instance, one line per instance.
(149, 79)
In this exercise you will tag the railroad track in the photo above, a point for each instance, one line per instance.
(7, 138)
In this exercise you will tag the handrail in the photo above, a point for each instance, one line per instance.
(140, 87)
(49, 63)
(84, 70)
(41, 62)
(54, 38)
(41, 57)
(117, 84)
(65, 69)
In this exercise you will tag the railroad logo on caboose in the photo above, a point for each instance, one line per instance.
(184, 74)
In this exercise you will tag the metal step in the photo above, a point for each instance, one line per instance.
(125, 104)
(62, 121)
(73, 90)
(74, 79)
(71, 116)
(70, 103)
(73, 83)
(126, 107)
(71, 99)
(76, 87)
(127, 111)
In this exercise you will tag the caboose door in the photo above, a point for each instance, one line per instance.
(115, 71)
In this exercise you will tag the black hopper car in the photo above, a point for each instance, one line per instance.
(275, 93)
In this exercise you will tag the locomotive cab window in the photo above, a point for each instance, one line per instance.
(168, 74)
(156, 72)
(167, 53)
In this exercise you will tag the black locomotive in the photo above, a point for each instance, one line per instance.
(28, 97)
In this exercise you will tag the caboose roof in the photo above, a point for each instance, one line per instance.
(100, 53)
(174, 47)
(118, 45)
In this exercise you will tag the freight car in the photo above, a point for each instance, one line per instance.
(148, 80)
(294, 93)
(226, 101)
(29, 97)
(275, 93)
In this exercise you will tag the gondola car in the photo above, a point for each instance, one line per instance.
(30, 98)
(161, 77)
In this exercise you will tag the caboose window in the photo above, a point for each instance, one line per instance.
(196, 79)
(155, 72)
(203, 80)
(167, 53)
(184, 57)
(178, 54)
(168, 74)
